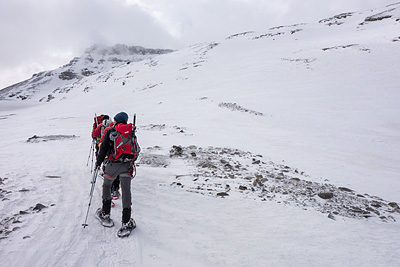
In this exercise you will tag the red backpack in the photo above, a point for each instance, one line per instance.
(97, 121)
(126, 147)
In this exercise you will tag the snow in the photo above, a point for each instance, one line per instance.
(322, 101)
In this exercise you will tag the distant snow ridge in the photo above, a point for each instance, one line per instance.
(359, 21)
(95, 59)
(223, 172)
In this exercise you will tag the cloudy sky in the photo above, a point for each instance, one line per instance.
(43, 35)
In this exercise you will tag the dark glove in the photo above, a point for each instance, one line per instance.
(98, 164)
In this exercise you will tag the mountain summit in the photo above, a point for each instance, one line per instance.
(96, 59)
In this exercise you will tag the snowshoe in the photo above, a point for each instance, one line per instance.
(105, 219)
(127, 228)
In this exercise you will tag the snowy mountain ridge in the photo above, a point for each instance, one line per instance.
(96, 59)
(273, 148)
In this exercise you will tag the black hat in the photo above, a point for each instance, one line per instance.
(121, 117)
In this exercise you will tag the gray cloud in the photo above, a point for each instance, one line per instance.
(37, 35)
(40, 35)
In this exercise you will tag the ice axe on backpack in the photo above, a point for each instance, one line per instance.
(134, 123)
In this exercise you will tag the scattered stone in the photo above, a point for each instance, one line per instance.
(218, 171)
(16, 220)
(236, 107)
(373, 210)
(39, 207)
(207, 164)
(394, 205)
(377, 18)
(376, 205)
(176, 151)
(345, 189)
(325, 195)
(242, 187)
(45, 138)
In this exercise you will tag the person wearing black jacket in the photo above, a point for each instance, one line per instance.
(121, 168)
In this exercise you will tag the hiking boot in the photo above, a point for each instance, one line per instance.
(127, 228)
(105, 219)
(131, 224)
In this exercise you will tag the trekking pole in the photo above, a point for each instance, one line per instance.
(90, 152)
(134, 134)
(91, 195)
(97, 124)
(91, 167)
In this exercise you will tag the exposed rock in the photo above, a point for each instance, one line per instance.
(330, 216)
(39, 207)
(345, 189)
(67, 75)
(325, 195)
(45, 138)
(176, 151)
(87, 72)
(236, 107)
(218, 171)
(376, 18)
(242, 187)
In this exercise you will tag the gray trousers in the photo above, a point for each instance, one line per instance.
(125, 180)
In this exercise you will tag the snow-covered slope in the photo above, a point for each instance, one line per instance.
(96, 59)
(275, 148)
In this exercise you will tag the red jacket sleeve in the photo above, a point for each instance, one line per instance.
(96, 131)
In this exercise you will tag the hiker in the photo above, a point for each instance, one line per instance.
(120, 146)
(96, 131)
(106, 125)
